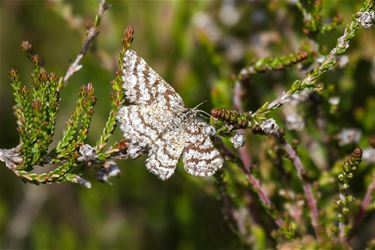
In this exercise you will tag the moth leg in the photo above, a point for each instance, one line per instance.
(136, 150)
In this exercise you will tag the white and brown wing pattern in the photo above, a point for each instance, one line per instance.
(200, 156)
(158, 122)
(144, 86)
(165, 153)
(139, 125)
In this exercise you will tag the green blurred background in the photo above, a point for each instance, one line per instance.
(138, 211)
(196, 46)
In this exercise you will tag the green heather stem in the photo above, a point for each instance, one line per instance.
(307, 189)
(56, 175)
(255, 184)
(249, 120)
(309, 82)
(344, 178)
(36, 117)
(313, 24)
(273, 63)
(365, 202)
(117, 96)
(24, 115)
(66, 145)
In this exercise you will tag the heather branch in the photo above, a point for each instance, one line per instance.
(242, 150)
(74, 135)
(254, 182)
(311, 15)
(257, 187)
(35, 113)
(117, 96)
(36, 119)
(365, 202)
(57, 175)
(301, 173)
(233, 118)
(349, 167)
(312, 18)
(23, 112)
(91, 35)
(310, 81)
(273, 63)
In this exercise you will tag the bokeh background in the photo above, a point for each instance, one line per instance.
(196, 46)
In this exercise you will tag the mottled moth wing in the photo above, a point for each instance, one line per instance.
(165, 153)
(139, 125)
(144, 86)
(158, 122)
(200, 156)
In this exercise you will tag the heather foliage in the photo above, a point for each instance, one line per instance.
(290, 86)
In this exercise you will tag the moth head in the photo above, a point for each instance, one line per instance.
(199, 112)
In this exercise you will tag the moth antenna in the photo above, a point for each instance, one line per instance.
(196, 107)
(204, 112)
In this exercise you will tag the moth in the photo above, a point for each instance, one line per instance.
(158, 122)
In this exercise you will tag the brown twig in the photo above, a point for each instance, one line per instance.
(366, 202)
(244, 161)
(91, 35)
(254, 182)
(311, 201)
(237, 103)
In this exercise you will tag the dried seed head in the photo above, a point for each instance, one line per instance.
(270, 127)
(83, 182)
(349, 136)
(13, 74)
(26, 45)
(101, 175)
(87, 152)
(369, 155)
(109, 169)
(43, 75)
(367, 19)
(122, 145)
(238, 140)
(128, 36)
(35, 59)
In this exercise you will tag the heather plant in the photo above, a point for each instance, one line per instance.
(293, 124)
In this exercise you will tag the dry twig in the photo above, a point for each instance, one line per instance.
(91, 35)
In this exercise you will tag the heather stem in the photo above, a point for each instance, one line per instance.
(310, 81)
(254, 182)
(237, 103)
(366, 201)
(262, 195)
(91, 35)
(311, 201)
